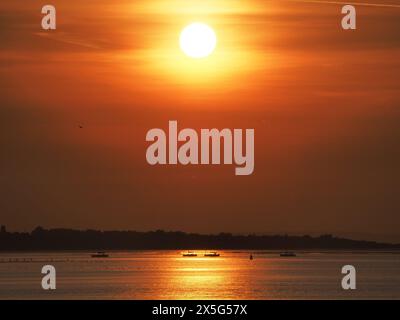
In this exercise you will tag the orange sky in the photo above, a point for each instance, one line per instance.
(324, 104)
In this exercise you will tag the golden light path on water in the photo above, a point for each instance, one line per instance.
(200, 277)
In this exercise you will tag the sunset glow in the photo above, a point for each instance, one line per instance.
(311, 91)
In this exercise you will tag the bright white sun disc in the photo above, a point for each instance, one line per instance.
(197, 40)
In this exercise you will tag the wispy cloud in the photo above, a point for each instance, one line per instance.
(367, 4)
(67, 38)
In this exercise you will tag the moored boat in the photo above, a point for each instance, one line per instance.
(211, 254)
(287, 254)
(189, 254)
(100, 254)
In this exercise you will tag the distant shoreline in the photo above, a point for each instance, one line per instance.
(41, 239)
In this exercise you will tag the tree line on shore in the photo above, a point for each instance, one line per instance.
(68, 239)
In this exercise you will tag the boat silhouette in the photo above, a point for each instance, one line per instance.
(189, 254)
(100, 254)
(287, 254)
(211, 254)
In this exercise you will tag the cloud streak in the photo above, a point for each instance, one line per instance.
(365, 4)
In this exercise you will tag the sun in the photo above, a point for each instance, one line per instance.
(198, 40)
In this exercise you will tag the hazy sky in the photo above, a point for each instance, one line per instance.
(324, 103)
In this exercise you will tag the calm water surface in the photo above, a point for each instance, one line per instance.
(168, 275)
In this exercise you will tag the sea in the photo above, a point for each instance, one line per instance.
(169, 275)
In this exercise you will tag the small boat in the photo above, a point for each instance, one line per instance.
(189, 254)
(287, 254)
(251, 257)
(211, 254)
(100, 254)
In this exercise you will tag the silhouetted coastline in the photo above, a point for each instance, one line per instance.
(68, 239)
